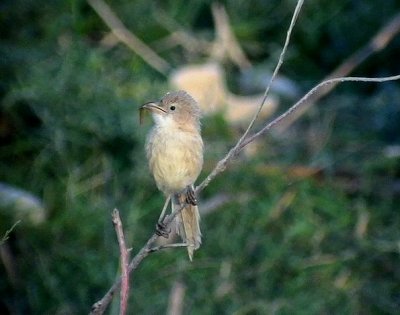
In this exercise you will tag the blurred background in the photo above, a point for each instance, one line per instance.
(305, 221)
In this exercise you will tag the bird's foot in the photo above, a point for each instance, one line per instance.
(191, 196)
(161, 230)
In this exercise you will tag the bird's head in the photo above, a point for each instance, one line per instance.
(175, 108)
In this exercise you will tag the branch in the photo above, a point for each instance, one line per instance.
(8, 232)
(129, 39)
(304, 99)
(221, 165)
(225, 42)
(377, 43)
(100, 306)
(124, 262)
(177, 295)
(236, 149)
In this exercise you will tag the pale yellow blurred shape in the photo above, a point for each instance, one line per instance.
(206, 83)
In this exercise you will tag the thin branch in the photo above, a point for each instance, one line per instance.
(235, 150)
(179, 36)
(129, 39)
(376, 44)
(221, 165)
(226, 42)
(8, 232)
(177, 295)
(303, 100)
(124, 262)
(100, 306)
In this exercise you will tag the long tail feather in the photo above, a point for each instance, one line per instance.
(188, 224)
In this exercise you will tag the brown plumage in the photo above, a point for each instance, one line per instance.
(175, 153)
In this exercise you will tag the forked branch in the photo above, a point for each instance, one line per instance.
(100, 306)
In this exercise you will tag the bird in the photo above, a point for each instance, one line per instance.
(174, 150)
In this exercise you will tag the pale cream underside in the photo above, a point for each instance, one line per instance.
(175, 156)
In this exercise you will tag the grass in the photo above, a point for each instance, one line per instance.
(284, 244)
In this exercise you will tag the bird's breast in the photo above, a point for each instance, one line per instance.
(175, 157)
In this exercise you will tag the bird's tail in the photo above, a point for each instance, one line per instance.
(187, 223)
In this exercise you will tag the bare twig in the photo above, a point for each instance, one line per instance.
(226, 42)
(236, 149)
(377, 43)
(175, 305)
(179, 36)
(8, 232)
(221, 165)
(124, 262)
(129, 39)
(100, 306)
(304, 99)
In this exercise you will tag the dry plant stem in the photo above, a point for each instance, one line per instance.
(226, 42)
(100, 306)
(178, 36)
(129, 39)
(235, 150)
(377, 43)
(221, 165)
(303, 100)
(176, 298)
(116, 219)
(8, 232)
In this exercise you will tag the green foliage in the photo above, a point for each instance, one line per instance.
(284, 244)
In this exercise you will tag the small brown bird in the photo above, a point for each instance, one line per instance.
(174, 150)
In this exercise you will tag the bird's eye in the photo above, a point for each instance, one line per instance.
(172, 108)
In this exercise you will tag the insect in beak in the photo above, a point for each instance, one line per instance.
(152, 107)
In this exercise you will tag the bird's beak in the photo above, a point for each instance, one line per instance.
(153, 107)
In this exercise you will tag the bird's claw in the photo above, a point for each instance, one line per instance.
(161, 230)
(191, 197)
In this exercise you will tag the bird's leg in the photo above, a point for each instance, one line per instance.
(160, 226)
(191, 196)
(162, 215)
